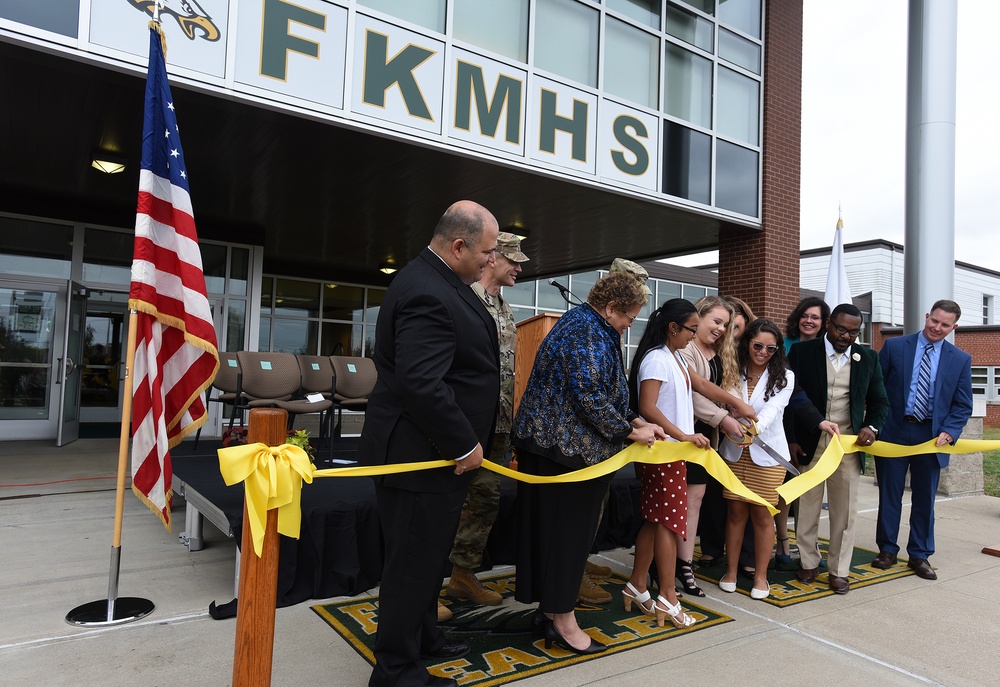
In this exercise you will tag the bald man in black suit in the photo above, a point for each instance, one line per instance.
(437, 357)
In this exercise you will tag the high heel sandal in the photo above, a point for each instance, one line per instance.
(645, 601)
(664, 610)
(685, 577)
(552, 636)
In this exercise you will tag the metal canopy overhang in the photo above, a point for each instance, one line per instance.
(325, 201)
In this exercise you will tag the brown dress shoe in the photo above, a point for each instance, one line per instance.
(884, 560)
(922, 568)
(806, 575)
(465, 585)
(840, 585)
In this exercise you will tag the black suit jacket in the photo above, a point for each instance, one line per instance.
(868, 400)
(438, 385)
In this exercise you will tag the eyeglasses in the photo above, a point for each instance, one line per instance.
(631, 318)
(815, 318)
(758, 346)
(844, 330)
(693, 331)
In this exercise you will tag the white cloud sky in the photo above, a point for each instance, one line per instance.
(854, 126)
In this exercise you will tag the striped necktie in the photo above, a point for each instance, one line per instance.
(922, 398)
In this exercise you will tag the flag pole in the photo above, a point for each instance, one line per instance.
(114, 610)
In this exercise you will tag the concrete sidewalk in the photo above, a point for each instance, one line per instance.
(56, 541)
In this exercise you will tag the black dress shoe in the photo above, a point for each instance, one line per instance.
(448, 651)
(922, 568)
(884, 560)
(552, 636)
(435, 681)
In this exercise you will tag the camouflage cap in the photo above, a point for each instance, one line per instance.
(509, 246)
(633, 268)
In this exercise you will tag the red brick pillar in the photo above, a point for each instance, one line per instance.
(762, 267)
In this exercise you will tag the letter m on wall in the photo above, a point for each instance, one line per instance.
(506, 98)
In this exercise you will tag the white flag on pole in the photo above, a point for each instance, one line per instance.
(838, 290)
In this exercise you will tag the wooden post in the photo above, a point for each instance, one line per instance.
(258, 591)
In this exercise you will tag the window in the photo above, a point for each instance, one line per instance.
(631, 63)
(687, 164)
(738, 115)
(987, 309)
(739, 51)
(742, 15)
(645, 11)
(736, 178)
(566, 40)
(687, 86)
(498, 25)
(690, 28)
(35, 248)
(427, 13)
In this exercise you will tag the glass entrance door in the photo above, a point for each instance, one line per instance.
(104, 357)
(68, 366)
(29, 338)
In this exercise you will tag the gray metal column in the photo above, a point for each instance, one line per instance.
(930, 158)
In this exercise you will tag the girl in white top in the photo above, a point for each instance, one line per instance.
(660, 387)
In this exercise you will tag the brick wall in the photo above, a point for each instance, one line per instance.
(763, 267)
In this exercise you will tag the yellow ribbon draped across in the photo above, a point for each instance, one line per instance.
(272, 478)
(834, 453)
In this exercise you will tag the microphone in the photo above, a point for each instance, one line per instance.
(562, 289)
(566, 293)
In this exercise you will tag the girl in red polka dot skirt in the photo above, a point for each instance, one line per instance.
(660, 386)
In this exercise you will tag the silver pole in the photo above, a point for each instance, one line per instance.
(929, 260)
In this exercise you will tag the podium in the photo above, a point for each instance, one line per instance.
(530, 333)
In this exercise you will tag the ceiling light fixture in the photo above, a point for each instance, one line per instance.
(107, 162)
(387, 266)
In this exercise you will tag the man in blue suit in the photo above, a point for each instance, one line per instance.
(929, 385)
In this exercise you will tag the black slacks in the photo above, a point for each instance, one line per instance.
(418, 529)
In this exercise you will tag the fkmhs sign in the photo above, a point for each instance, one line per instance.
(343, 64)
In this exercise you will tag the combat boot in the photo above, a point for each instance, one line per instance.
(465, 585)
(591, 593)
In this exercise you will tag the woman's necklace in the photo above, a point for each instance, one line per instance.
(754, 375)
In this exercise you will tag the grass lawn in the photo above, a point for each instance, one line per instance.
(991, 464)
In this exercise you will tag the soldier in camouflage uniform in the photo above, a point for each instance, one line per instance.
(483, 501)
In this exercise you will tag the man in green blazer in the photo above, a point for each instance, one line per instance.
(844, 382)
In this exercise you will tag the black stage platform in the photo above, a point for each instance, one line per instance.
(339, 550)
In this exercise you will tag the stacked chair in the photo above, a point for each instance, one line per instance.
(355, 379)
(227, 384)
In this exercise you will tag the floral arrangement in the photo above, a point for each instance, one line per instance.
(237, 436)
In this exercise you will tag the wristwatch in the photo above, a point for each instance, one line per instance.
(873, 429)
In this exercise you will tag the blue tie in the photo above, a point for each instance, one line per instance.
(922, 398)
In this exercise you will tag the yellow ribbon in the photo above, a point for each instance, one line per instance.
(661, 452)
(834, 453)
(272, 477)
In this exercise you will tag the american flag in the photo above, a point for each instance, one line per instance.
(176, 355)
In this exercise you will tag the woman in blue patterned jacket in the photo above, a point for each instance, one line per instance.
(573, 413)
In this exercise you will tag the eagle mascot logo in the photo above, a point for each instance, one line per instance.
(190, 16)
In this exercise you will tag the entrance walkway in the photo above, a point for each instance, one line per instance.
(56, 530)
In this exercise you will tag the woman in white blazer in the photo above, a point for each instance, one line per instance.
(766, 383)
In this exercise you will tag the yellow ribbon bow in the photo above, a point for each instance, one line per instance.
(272, 477)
